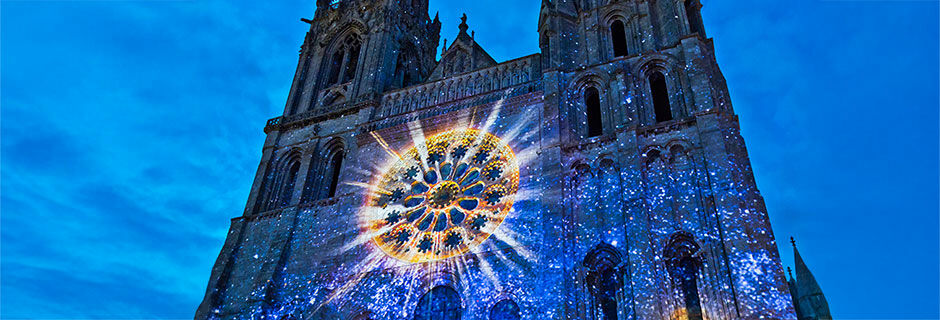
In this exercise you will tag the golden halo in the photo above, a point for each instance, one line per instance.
(443, 197)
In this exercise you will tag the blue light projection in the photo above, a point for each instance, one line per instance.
(454, 205)
(472, 201)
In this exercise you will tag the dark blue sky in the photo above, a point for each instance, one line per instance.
(131, 131)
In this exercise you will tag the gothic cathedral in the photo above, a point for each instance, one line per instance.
(603, 178)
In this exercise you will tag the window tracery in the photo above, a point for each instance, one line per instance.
(445, 196)
(278, 187)
(344, 60)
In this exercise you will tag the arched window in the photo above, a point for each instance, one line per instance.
(687, 272)
(619, 37)
(352, 60)
(603, 279)
(278, 186)
(441, 303)
(694, 17)
(660, 93)
(335, 167)
(301, 83)
(683, 266)
(344, 60)
(505, 310)
(287, 189)
(336, 64)
(592, 102)
(406, 73)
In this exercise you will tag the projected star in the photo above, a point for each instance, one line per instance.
(455, 195)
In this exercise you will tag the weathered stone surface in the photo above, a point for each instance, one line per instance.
(625, 208)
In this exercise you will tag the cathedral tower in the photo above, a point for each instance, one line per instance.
(603, 178)
(357, 49)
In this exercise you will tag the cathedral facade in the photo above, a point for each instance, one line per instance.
(602, 178)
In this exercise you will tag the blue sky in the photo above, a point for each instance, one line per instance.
(131, 131)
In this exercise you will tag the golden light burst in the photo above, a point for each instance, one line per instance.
(443, 197)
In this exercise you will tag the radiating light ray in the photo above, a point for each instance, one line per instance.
(418, 139)
(526, 156)
(528, 195)
(509, 237)
(409, 274)
(487, 270)
(519, 127)
(494, 114)
(370, 260)
(384, 145)
(365, 186)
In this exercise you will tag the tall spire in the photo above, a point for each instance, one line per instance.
(811, 301)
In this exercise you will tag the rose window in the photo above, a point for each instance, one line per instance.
(445, 196)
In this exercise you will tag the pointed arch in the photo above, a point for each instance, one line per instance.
(290, 179)
(343, 54)
(278, 186)
(580, 172)
(335, 155)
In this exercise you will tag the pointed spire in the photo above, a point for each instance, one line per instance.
(812, 302)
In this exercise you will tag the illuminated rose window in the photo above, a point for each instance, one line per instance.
(444, 197)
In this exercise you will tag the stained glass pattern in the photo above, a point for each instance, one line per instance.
(445, 196)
